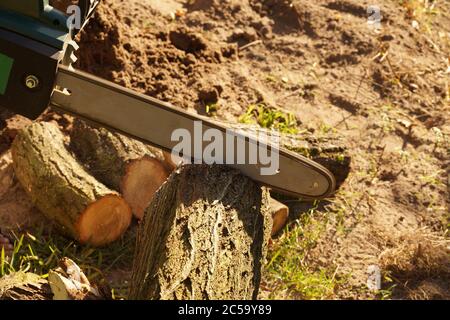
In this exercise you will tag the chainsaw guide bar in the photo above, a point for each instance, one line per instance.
(141, 117)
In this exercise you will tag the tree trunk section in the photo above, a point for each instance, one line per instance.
(327, 150)
(62, 190)
(123, 164)
(204, 236)
(24, 286)
(330, 152)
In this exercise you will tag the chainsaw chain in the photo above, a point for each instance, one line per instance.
(87, 9)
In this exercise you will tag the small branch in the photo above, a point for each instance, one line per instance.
(251, 44)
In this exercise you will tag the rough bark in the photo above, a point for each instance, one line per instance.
(123, 164)
(204, 236)
(327, 150)
(62, 190)
(67, 282)
(24, 286)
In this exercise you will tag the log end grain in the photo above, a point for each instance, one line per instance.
(104, 221)
(142, 179)
(280, 215)
(123, 164)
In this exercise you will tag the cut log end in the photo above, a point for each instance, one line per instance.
(280, 215)
(143, 178)
(128, 166)
(104, 221)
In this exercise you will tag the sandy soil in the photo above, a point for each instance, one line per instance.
(385, 93)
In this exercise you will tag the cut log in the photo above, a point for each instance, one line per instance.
(67, 282)
(169, 160)
(123, 164)
(280, 212)
(24, 286)
(63, 191)
(204, 236)
(280, 215)
(330, 152)
(61, 5)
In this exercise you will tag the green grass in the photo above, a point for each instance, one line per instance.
(288, 269)
(270, 118)
(40, 252)
(423, 11)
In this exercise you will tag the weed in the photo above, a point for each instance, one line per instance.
(270, 118)
(326, 129)
(211, 109)
(287, 268)
(271, 78)
(421, 11)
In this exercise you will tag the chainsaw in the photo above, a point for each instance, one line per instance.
(37, 51)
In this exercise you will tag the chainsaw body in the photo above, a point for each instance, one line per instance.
(34, 39)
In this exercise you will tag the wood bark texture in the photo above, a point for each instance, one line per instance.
(204, 236)
(24, 286)
(63, 191)
(123, 164)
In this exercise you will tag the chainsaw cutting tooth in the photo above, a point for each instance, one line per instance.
(74, 45)
(73, 58)
(70, 57)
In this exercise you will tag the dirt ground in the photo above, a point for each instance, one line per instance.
(386, 93)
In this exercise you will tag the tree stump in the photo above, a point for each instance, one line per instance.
(63, 191)
(123, 164)
(204, 236)
(327, 150)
